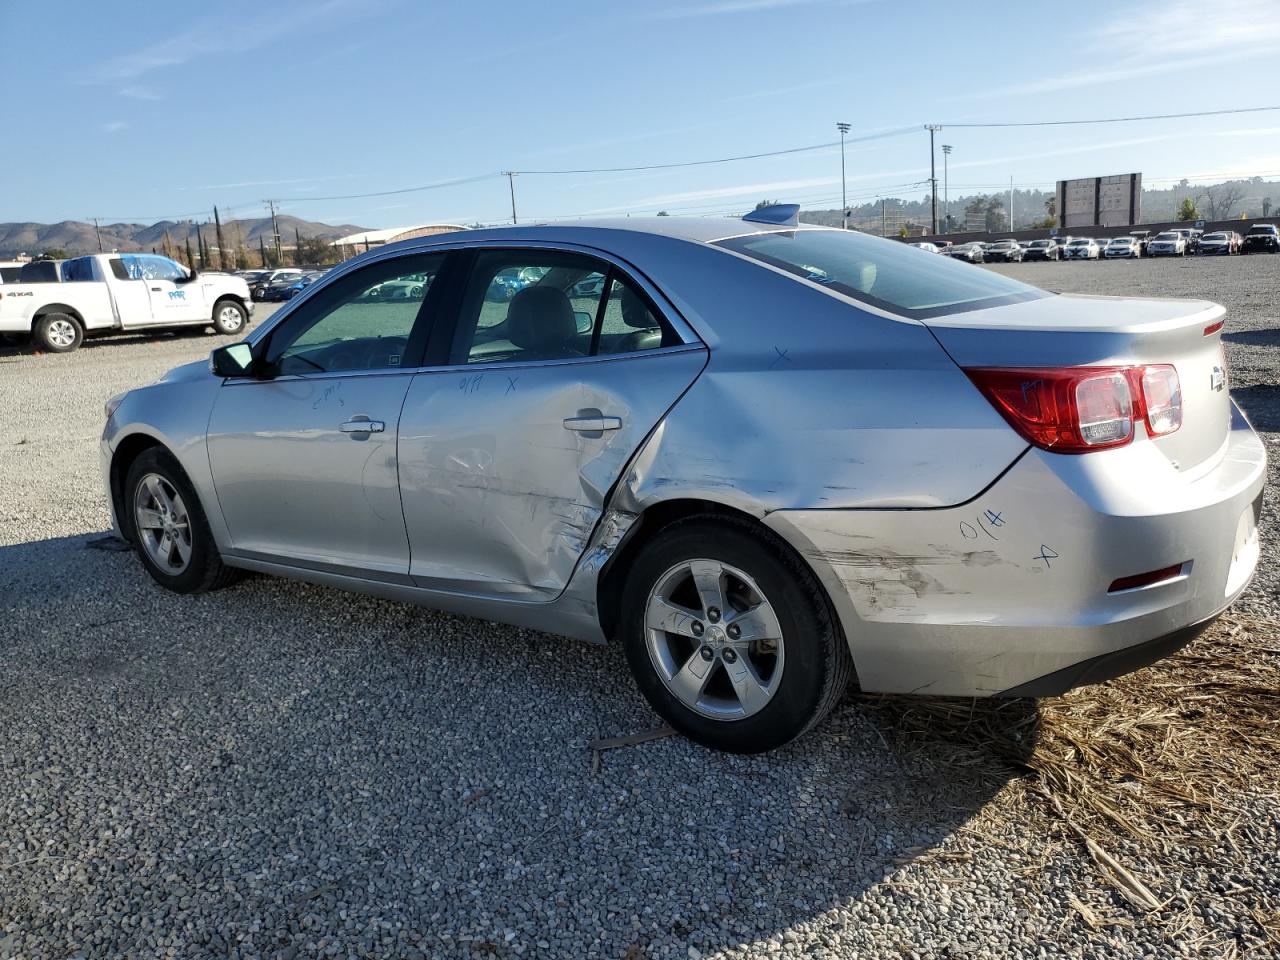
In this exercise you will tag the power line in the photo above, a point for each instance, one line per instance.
(1154, 116)
(746, 156)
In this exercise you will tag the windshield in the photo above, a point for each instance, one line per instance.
(1041, 243)
(1264, 228)
(1213, 236)
(1079, 243)
(1169, 236)
(883, 273)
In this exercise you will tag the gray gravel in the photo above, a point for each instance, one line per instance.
(284, 770)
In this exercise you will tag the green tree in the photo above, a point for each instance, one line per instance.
(297, 248)
(1187, 210)
(316, 250)
(663, 213)
(222, 245)
(53, 253)
(903, 231)
(994, 216)
(262, 250)
(190, 260)
(766, 203)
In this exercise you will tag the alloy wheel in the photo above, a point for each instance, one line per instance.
(163, 525)
(714, 639)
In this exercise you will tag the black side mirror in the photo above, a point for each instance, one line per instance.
(234, 360)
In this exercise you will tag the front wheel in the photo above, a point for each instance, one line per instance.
(59, 332)
(229, 317)
(730, 637)
(170, 531)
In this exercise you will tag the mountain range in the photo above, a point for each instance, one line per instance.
(76, 237)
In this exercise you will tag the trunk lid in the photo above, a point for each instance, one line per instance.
(1070, 330)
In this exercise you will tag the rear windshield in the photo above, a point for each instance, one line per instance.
(1264, 228)
(883, 273)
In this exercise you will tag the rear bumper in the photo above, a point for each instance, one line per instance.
(1009, 593)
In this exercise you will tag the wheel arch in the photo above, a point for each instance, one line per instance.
(47, 308)
(234, 298)
(127, 451)
(655, 518)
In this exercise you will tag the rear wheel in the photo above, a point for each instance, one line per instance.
(59, 332)
(170, 530)
(229, 317)
(730, 637)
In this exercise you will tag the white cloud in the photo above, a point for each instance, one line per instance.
(114, 126)
(1165, 37)
(135, 92)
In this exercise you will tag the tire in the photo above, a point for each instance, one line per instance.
(58, 333)
(201, 569)
(790, 690)
(229, 317)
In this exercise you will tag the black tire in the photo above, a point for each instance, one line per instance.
(817, 667)
(223, 321)
(204, 570)
(58, 333)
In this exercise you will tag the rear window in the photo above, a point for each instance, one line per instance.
(883, 273)
(1264, 228)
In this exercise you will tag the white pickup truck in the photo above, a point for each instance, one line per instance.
(121, 291)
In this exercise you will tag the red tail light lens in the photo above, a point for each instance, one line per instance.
(1080, 409)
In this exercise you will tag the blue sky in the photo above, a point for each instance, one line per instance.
(164, 109)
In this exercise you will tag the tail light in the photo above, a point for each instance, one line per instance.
(1080, 409)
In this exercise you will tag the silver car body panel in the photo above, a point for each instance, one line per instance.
(851, 432)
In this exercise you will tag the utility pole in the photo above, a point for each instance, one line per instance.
(98, 231)
(844, 203)
(946, 189)
(884, 229)
(275, 229)
(933, 172)
(511, 181)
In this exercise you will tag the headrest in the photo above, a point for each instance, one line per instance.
(634, 312)
(539, 318)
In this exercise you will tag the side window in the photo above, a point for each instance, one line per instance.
(361, 322)
(628, 324)
(161, 268)
(522, 305)
(79, 270)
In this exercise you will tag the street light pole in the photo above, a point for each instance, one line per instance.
(946, 189)
(933, 172)
(511, 181)
(844, 202)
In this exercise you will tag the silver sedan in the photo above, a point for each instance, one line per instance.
(765, 458)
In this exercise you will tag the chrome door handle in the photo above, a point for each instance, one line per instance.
(597, 424)
(363, 426)
(157, 289)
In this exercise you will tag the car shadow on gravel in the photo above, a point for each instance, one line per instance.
(276, 763)
(1261, 404)
(1267, 337)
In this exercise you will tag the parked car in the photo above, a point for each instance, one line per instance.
(1081, 248)
(1003, 251)
(1043, 250)
(280, 289)
(926, 247)
(1011, 525)
(11, 271)
(1222, 242)
(943, 245)
(308, 278)
(1170, 243)
(1122, 248)
(969, 252)
(1192, 236)
(1261, 238)
(129, 291)
(1144, 238)
(259, 286)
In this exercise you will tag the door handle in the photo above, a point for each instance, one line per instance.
(158, 289)
(363, 425)
(592, 424)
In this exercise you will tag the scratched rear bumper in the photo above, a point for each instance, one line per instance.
(984, 598)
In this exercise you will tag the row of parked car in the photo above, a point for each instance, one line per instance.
(1179, 242)
(274, 286)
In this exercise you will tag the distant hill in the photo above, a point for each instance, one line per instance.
(76, 237)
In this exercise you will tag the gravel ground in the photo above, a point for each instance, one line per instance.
(283, 770)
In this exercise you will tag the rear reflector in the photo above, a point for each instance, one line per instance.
(1080, 409)
(1213, 328)
(1145, 579)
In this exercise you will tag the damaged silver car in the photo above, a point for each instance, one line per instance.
(766, 458)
